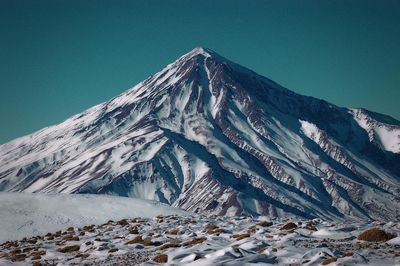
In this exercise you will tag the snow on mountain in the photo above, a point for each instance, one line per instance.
(386, 135)
(208, 135)
(27, 214)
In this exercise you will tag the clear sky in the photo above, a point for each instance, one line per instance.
(58, 58)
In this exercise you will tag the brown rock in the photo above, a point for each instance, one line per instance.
(289, 226)
(123, 222)
(69, 249)
(170, 245)
(240, 236)
(140, 240)
(18, 257)
(172, 232)
(161, 258)
(195, 241)
(38, 253)
(348, 254)
(70, 238)
(265, 223)
(82, 255)
(252, 228)
(375, 235)
(328, 261)
(134, 231)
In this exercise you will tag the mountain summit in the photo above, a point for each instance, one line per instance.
(208, 135)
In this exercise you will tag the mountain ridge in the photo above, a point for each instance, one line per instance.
(208, 135)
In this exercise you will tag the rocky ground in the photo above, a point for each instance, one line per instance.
(210, 240)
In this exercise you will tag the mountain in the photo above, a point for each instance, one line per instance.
(208, 135)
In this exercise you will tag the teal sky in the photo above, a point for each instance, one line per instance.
(58, 58)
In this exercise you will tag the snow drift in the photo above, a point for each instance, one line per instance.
(28, 214)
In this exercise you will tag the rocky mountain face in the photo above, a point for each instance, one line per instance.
(208, 135)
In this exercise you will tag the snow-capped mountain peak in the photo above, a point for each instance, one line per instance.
(208, 135)
(200, 51)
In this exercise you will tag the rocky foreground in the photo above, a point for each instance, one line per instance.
(210, 240)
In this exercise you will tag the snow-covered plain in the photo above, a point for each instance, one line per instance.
(207, 240)
(26, 214)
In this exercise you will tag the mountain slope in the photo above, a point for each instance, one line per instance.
(206, 134)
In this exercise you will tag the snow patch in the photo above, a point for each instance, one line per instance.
(386, 136)
(310, 130)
